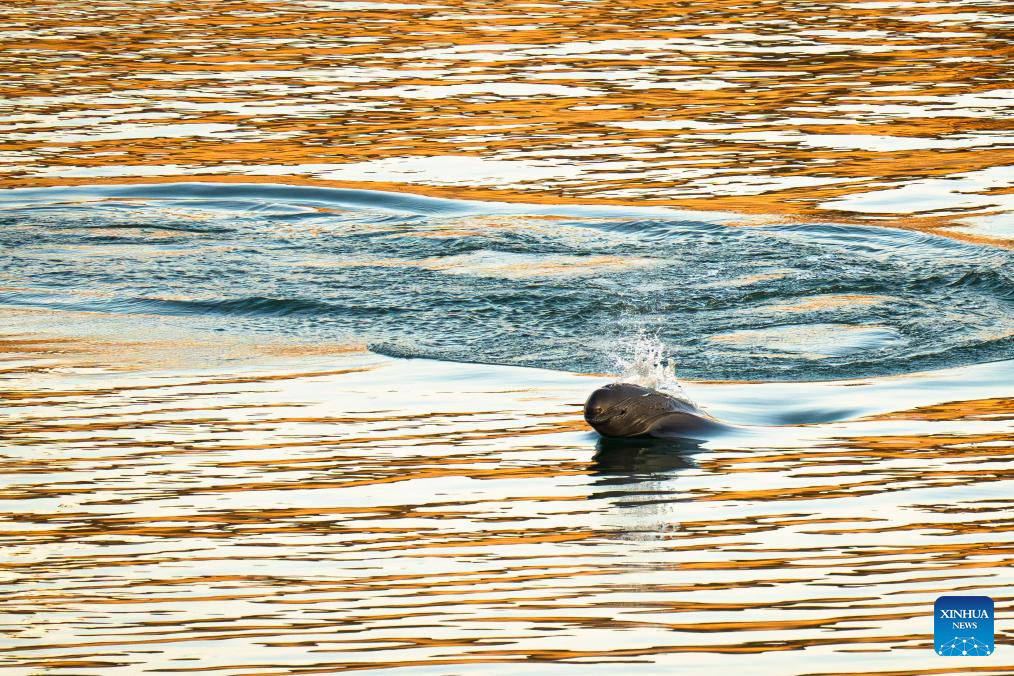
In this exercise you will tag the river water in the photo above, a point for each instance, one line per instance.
(299, 303)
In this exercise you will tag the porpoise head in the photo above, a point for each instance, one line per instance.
(628, 410)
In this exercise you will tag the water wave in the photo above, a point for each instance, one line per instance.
(529, 285)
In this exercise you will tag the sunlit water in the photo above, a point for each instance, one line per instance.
(898, 109)
(353, 512)
(322, 411)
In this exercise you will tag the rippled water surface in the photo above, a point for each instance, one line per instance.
(512, 284)
(851, 109)
(316, 515)
(300, 302)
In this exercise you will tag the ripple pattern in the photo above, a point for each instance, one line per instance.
(296, 519)
(895, 110)
(525, 285)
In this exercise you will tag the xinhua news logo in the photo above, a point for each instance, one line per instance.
(963, 626)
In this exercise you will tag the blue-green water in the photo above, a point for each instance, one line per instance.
(548, 286)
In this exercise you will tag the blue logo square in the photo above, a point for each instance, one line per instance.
(963, 626)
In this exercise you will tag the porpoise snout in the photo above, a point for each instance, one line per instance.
(601, 404)
(610, 410)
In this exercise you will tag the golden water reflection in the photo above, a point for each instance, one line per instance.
(314, 514)
(875, 110)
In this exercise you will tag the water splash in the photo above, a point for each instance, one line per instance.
(644, 360)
